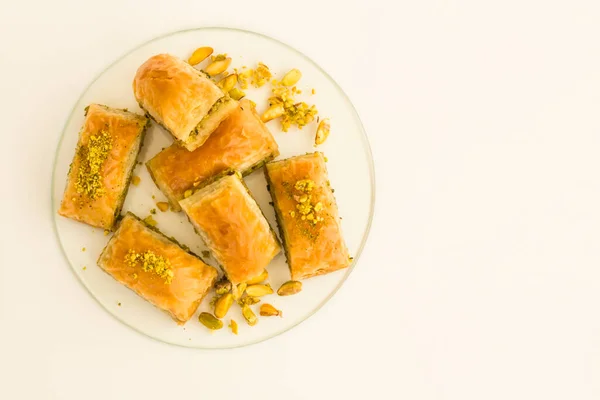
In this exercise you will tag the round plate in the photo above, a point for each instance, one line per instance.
(350, 169)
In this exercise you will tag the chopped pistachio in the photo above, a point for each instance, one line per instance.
(199, 55)
(163, 206)
(205, 253)
(234, 327)
(289, 288)
(223, 304)
(218, 57)
(243, 77)
(135, 180)
(222, 286)
(219, 64)
(261, 75)
(236, 94)
(210, 321)
(238, 290)
(151, 262)
(248, 300)
(259, 290)
(322, 131)
(92, 157)
(275, 111)
(258, 279)
(291, 78)
(187, 193)
(267, 310)
(249, 315)
(228, 83)
(299, 114)
(153, 211)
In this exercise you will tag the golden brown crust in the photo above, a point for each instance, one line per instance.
(241, 142)
(176, 95)
(192, 278)
(311, 249)
(126, 132)
(233, 227)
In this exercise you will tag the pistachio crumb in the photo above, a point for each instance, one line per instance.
(163, 206)
(205, 253)
(153, 211)
(135, 180)
(84, 268)
(187, 194)
(106, 232)
(83, 249)
(151, 262)
(92, 157)
(150, 221)
(234, 327)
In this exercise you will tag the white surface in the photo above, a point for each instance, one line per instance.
(349, 170)
(481, 278)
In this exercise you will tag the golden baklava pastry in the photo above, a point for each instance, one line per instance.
(307, 215)
(232, 226)
(181, 99)
(157, 269)
(99, 176)
(242, 142)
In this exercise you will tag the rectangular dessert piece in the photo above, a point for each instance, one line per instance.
(157, 269)
(181, 99)
(232, 226)
(307, 215)
(242, 142)
(99, 176)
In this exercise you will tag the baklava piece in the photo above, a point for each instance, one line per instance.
(232, 226)
(307, 215)
(99, 176)
(157, 269)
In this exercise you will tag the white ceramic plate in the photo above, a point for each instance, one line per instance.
(350, 170)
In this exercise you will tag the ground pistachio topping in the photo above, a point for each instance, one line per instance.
(151, 262)
(92, 157)
(307, 211)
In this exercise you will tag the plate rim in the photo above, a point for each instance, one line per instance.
(367, 148)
